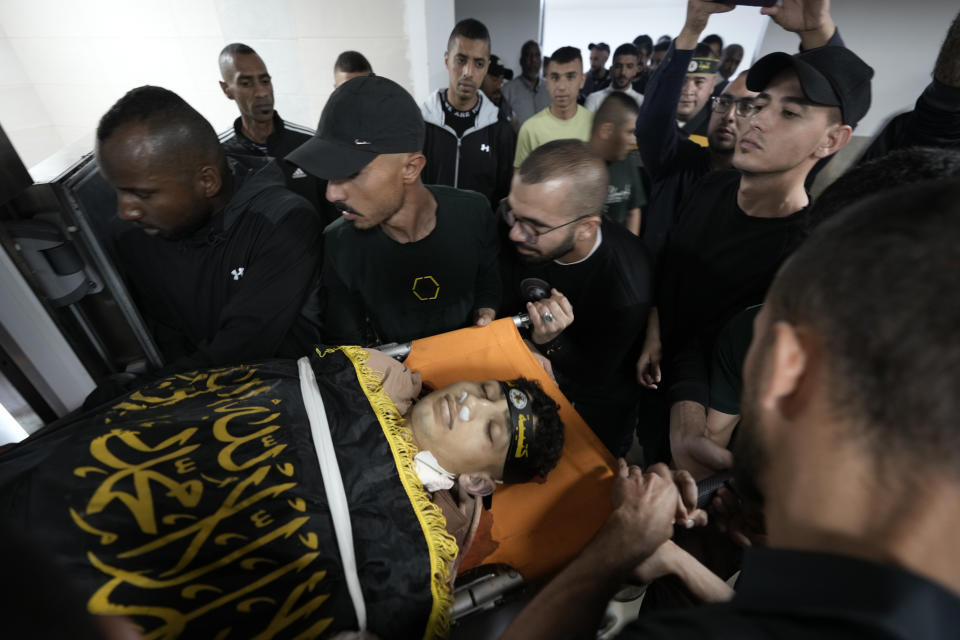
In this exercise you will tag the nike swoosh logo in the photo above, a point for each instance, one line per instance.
(357, 141)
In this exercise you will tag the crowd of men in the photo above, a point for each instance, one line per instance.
(661, 210)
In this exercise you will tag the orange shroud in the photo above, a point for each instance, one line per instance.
(536, 528)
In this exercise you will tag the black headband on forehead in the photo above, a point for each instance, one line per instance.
(517, 468)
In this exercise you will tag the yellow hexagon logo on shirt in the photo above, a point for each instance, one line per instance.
(426, 288)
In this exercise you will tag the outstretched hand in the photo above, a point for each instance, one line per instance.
(809, 19)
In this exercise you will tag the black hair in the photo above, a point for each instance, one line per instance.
(237, 49)
(352, 62)
(702, 50)
(661, 46)
(626, 49)
(544, 450)
(644, 44)
(615, 108)
(469, 29)
(710, 39)
(575, 161)
(876, 285)
(899, 167)
(563, 55)
(175, 126)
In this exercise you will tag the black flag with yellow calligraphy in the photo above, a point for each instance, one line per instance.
(196, 506)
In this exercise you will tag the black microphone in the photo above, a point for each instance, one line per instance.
(533, 289)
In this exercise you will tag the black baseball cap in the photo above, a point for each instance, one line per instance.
(830, 76)
(365, 117)
(603, 46)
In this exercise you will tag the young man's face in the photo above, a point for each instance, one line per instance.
(371, 195)
(162, 197)
(697, 88)
(247, 82)
(598, 58)
(564, 81)
(623, 71)
(474, 440)
(722, 133)
(466, 62)
(786, 132)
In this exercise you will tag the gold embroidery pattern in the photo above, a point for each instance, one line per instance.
(201, 542)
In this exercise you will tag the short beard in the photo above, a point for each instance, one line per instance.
(539, 258)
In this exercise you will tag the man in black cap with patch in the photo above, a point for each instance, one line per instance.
(737, 227)
(406, 260)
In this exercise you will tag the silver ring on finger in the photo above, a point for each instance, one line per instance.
(547, 317)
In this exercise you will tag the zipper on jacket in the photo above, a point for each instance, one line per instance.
(456, 166)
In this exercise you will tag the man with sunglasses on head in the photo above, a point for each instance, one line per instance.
(590, 325)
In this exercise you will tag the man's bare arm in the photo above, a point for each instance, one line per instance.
(669, 559)
(633, 221)
(645, 508)
(691, 447)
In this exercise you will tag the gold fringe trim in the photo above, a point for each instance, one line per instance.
(442, 546)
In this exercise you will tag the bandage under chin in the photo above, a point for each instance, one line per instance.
(516, 467)
(431, 474)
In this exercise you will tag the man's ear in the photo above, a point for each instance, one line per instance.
(835, 138)
(605, 130)
(413, 164)
(477, 484)
(587, 226)
(209, 181)
(788, 364)
(226, 89)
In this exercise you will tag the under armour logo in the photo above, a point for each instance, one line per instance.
(358, 141)
(237, 273)
(299, 173)
(485, 147)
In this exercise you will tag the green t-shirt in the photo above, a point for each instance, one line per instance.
(625, 191)
(544, 127)
(416, 289)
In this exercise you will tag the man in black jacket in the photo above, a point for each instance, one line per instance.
(225, 256)
(469, 144)
(260, 131)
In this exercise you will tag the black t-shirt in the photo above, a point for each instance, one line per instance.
(798, 594)
(717, 262)
(611, 294)
(459, 121)
(416, 289)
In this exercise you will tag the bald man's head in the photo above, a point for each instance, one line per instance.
(246, 81)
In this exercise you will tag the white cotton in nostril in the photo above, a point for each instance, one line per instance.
(464, 414)
(462, 397)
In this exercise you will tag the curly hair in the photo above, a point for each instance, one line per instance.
(548, 439)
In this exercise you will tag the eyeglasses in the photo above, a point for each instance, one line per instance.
(529, 228)
(745, 106)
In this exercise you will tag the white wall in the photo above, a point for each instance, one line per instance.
(511, 23)
(63, 63)
(900, 40)
(577, 23)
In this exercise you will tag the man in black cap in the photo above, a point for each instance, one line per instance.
(598, 77)
(737, 227)
(408, 259)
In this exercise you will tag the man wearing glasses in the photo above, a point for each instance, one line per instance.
(591, 324)
(673, 161)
